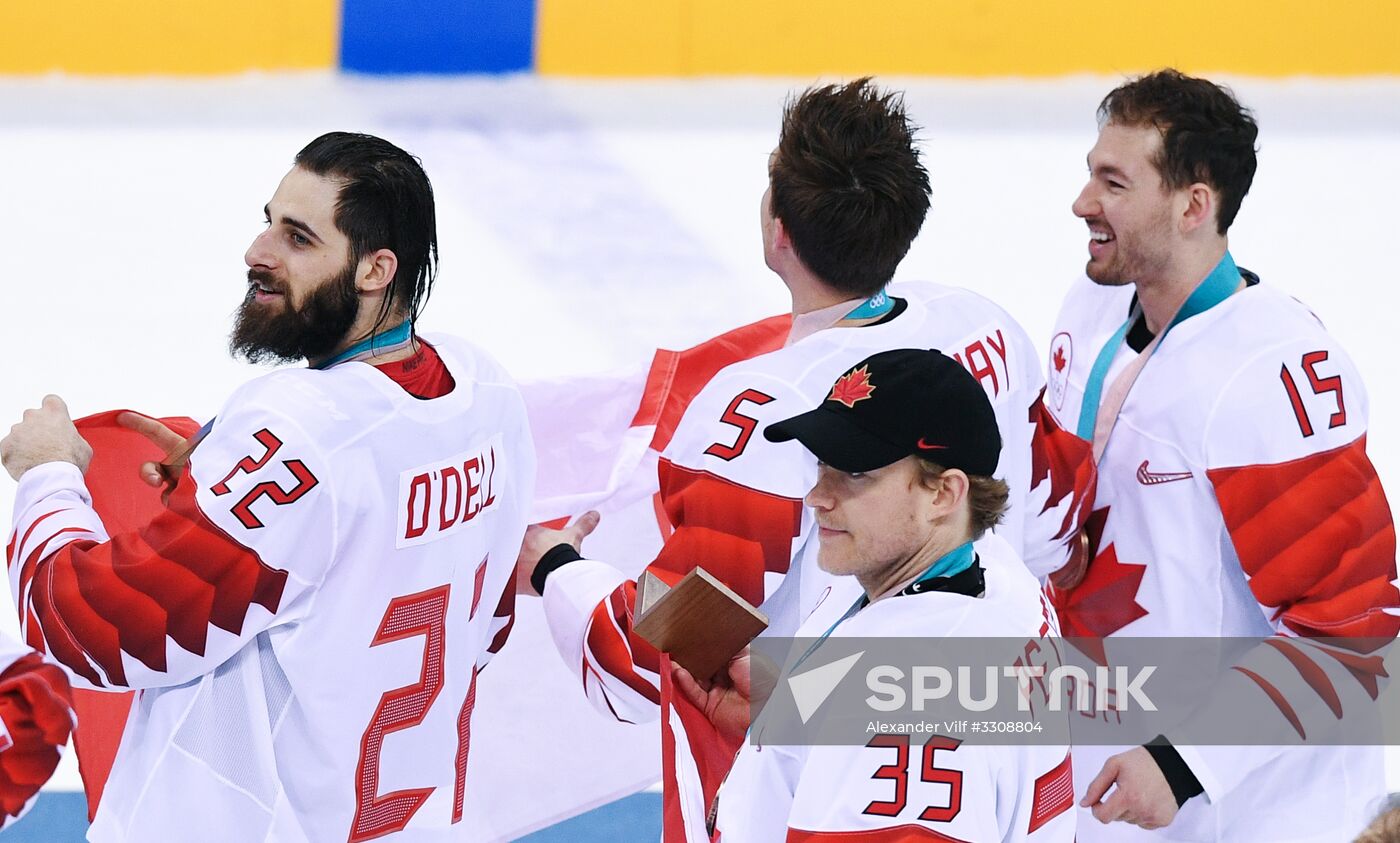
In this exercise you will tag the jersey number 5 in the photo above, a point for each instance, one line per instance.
(746, 424)
(898, 772)
(1319, 386)
(243, 510)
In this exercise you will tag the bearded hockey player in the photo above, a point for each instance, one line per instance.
(334, 560)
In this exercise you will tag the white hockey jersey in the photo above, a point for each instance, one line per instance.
(733, 500)
(938, 789)
(306, 618)
(1235, 498)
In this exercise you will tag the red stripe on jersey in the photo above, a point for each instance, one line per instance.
(663, 522)
(676, 377)
(610, 642)
(31, 562)
(478, 585)
(1279, 699)
(727, 518)
(1311, 672)
(26, 571)
(1316, 539)
(712, 752)
(464, 746)
(1054, 794)
(893, 834)
(598, 680)
(175, 577)
(36, 707)
(505, 608)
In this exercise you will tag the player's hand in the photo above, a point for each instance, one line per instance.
(539, 540)
(44, 435)
(170, 443)
(725, 700)
(1142, 797)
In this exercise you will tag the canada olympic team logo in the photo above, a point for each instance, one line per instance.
(1061, 355)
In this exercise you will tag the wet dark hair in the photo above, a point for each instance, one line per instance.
(385, 202)
(1207, 136)
(848, 185)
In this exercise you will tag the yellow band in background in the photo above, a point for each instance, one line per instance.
(169, 37)
(965, 37)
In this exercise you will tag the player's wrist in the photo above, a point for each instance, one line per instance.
(1180, 779)
(552, 560)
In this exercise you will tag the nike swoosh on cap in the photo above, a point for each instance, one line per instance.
(927, 447)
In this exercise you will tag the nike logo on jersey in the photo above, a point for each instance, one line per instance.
(927, 447)
(1153, 478)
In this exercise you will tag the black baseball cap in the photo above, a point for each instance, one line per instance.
(897, 403)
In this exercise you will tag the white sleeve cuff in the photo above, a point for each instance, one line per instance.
(570, 595)
(47, 479)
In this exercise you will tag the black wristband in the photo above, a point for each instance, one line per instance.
(554, 559)
(1183, 782)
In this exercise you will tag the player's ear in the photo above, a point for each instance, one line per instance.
(782, 241)
(376, 270)
(1200, 208)
(950, 490)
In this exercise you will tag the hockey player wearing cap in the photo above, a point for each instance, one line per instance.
(847, 194)
(1234, 496)
(908, 446)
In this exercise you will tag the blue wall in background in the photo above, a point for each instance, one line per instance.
(437, 36)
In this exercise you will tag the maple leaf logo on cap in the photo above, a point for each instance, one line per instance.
(852, 387)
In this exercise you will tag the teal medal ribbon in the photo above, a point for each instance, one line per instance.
(877, 305)
(1214, 289)
(390, 340)
(950, 564)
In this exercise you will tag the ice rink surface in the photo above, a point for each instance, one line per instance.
(583, 224)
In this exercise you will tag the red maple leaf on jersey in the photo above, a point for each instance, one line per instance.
(1105, 601)
(852, 387)
(1067, 462)
(1059, 359)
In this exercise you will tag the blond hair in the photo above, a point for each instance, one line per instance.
(1385, 828)
(987, 497)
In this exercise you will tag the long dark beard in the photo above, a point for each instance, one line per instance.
(281, 333)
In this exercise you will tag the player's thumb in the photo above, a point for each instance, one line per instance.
(686, 684)
(584, 525)
(150, 474)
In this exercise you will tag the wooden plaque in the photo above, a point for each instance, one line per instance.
(699, 621)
